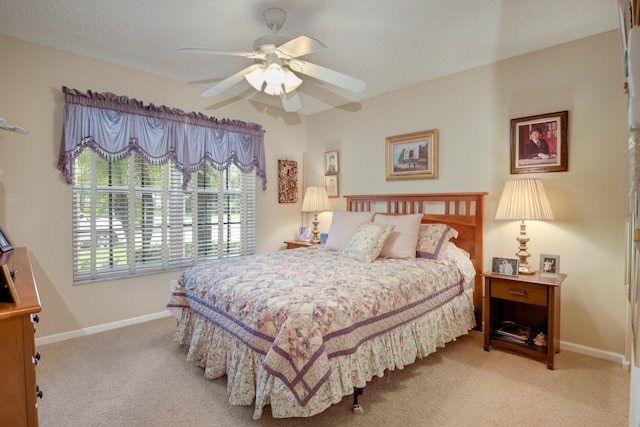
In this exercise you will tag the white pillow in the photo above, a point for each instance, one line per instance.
(367, 242)
(343, 226)
(404, 238)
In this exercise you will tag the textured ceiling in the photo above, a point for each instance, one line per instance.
(389, 44)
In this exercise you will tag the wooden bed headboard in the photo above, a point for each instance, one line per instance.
(462, 211)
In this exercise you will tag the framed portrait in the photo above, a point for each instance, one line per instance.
(539, 143)
(331, 185)
(412, 155)
(5, 242)
(331, 163)
(8, 291)
(504, 266)
(549, 265)
(303, 234)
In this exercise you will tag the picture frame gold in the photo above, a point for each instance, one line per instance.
(8, 292)
(412, 155)
(550, 154)
(505, 266)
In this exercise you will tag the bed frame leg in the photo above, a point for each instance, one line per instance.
(357, 409)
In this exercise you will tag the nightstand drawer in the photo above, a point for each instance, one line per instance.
(520, 292)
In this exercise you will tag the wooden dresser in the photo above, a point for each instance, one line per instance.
(18, 357)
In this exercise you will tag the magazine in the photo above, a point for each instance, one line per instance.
(515, 332)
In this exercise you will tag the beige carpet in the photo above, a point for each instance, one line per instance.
(137, 376)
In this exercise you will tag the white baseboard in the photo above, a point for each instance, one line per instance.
(594, 352)
(100, 328)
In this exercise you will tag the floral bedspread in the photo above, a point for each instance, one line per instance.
(301, 308)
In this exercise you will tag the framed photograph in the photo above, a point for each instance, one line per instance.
(331, 185)
(539, 143)
(303, 234)
(8, 291)
(412, 155)
(549, 265)
(505, 266)
(5, 242)
(331, 163)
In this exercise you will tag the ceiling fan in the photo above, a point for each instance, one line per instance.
(277, 57)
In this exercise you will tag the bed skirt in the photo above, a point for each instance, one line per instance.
(248, 383)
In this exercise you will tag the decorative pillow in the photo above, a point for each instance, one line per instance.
(367, 242)
(403, 240)
(343, 226)
(432, 239)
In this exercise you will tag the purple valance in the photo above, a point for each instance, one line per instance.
(116, 126)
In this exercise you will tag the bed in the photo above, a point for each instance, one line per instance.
(300, 329)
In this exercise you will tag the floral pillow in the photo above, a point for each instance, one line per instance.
(432, 239)
(343, 226)
(367, 242)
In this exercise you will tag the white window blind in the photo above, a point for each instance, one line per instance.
(132, 218)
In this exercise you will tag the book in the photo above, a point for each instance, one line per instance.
(515, 332)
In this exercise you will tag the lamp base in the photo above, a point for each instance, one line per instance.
(314, 233)
(522, 254)
(525, 269)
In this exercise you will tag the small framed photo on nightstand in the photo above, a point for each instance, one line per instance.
(549, 265)
(504, 266)
(303, 234)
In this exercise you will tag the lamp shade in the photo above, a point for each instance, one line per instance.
(524, 199)
(315, 200)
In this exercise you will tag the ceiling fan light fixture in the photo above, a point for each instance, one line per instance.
(256, 78)
(273, 89)
(291, 81)
(274, 75)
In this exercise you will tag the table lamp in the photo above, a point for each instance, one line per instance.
(315, 201)
(524, 199)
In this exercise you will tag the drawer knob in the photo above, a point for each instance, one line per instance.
(39, 391)
(518, 292)
(36, 318)
(36, 357)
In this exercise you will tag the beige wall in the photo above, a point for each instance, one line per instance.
(35, 202)
(471, 110)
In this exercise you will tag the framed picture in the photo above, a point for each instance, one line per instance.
(331, 185)
(549, 265)
(412, 155)
(539, 143)
(8, 291)
(505, 266)
(5, 242)
(303, 234)
(287, 181)
(331, 164)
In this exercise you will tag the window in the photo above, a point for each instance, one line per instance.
(132, 218)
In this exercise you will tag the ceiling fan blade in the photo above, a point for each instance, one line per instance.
(335, 78)
(300, 46)
(229, 81)
(217, 52)
(290, 101)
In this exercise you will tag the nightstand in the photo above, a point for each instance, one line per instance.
(528, 300)
(293, 244)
